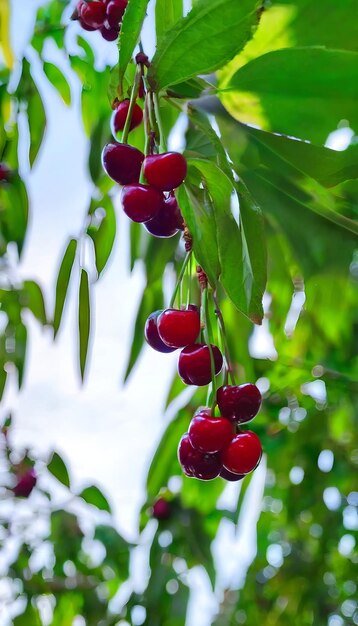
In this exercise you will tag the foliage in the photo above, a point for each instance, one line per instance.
(271, 209)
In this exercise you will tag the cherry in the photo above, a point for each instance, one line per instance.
(92, 14)
(168, 220)
(119, 116)
(114, 12)
(151, 334)
(109, 34)
(25, 484)
(210, 434)
(194, 365)
(141, 202)
(239, 402)
(161, 509)
(5, 173)
(165, 171)
(224, 473)
(177, 328)
(122, 162)
(243, 454)
(196, 464)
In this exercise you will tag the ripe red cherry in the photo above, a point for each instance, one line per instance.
(239, 402)
(92, 14)
(243, 454)
(5, 173)
(165, 171)
(161, 509)
(168, 221)
(109, 34)
(122, 162)
(177, 328)
(230, 476)
(119, 117)
(141, 202)
(25, 484)
(114, 12)
(210, 434)
(194, 366)
(196, 464)
(151, 334)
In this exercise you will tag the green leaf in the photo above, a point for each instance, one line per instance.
(32, 298)
(103, 235)
(241, 249)
(165, 463)
(19, 356)
(99, 138)
(152, 300)
(211, 34)
(14, 213)
(286, 91)
(292, 211)
(256, 147)
(58, 80)
(197, 211)
(203, 128)
(58, 469)
(29, 94)
(62, 283)
(84, 320)
(92, 495)
(167, 13)
(3, 379)
(130, 30)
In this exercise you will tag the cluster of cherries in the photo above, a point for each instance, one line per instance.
(214, 445)
(154, 203)
(103, 15)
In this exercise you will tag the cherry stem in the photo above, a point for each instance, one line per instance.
(179, 279)
(221, 323)
(132, 103)
(190, 269)
(162, 141)
(207, 335)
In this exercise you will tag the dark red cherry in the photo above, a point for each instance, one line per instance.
(92, 14)
(25, 484)
(141, 202)
(119, 116)
(168, 221)
(109, 34)
(230, 476)
(114, 12)
(122, 162)
(161, 509)
(177, 327)
(239, 402)
(210, 434)
(151, 334)
(196, 464)
(243, 454)
(194, 364)
(165, 171)
(5, 173)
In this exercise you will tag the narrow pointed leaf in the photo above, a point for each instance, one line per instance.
(84, 320)
(58, 80)
(63, 280)
(130, 30)
(32, 298)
